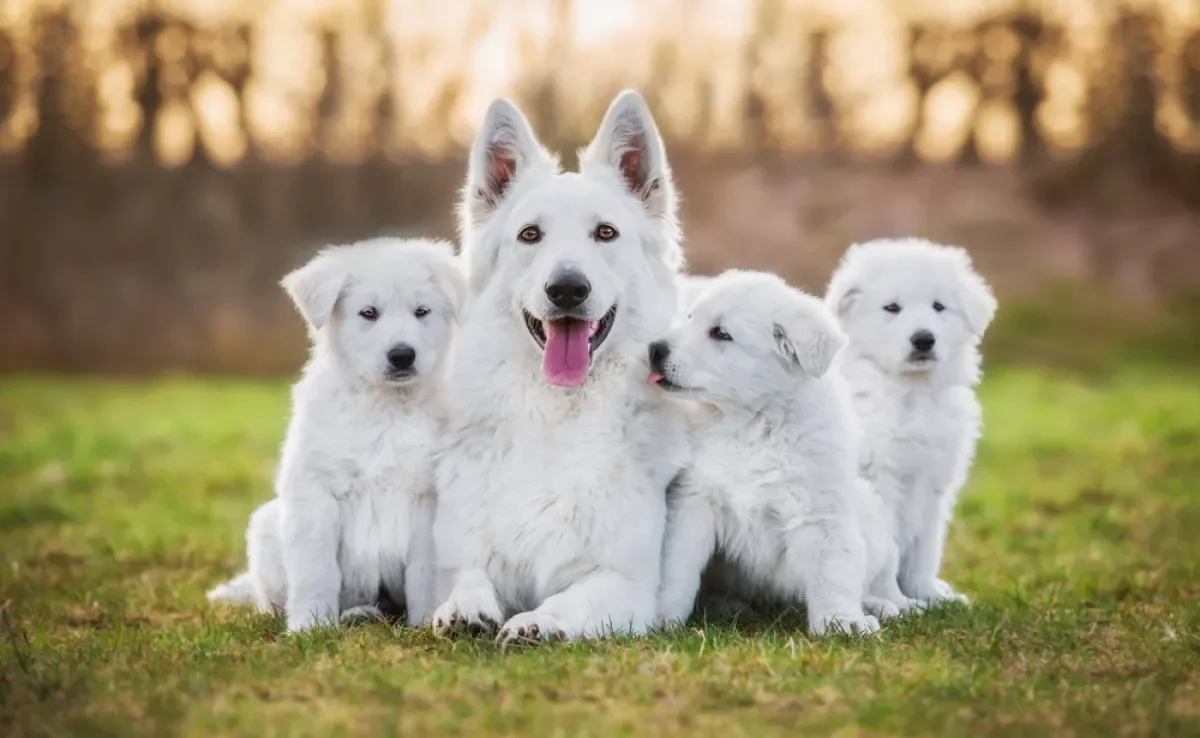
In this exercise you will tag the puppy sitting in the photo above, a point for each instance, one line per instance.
(353, 514)
(915, 313)
(770, 491)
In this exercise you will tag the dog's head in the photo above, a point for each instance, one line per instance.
(910, 305)
(384, 309)
(748, 338)
(570, 250)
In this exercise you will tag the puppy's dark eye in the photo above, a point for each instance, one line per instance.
(530, 234)
(421, 312)
(606, 233)
(938, 307)
(717, 333)
(892, 307)
(368, 313)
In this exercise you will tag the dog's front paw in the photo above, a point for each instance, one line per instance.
(361, 615)
(847, 624)
(474, 614)
(881, 608)
(532, 627)
(936, 592)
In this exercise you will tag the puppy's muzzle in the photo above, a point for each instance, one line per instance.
(659, 351)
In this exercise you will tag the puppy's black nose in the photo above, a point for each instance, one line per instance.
(568, 289)
(402, 356)
(659, 350)
(923, 340)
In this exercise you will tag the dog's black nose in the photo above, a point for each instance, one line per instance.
(923, 340)
(402, 356)
(568, 289)
(658, 354)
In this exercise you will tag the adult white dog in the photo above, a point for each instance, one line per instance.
(915, 313)
(353, 515)
(771, 488)
(551, 487)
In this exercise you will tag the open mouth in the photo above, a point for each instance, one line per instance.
(567, 344)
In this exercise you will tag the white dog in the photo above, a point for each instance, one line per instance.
(771, 488)
(552, 484)
(915, 313)
(353, 516)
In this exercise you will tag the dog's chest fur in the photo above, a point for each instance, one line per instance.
(373, 454)
(913, 446)
(765, 476)
(561, 485)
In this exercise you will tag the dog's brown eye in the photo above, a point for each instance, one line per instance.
(605, 233)
(530, 234)
(717, 333)
(938, 307)
(421, 312)
(892, 307)
(368, 313)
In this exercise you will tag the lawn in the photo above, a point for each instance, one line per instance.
(1078, 538)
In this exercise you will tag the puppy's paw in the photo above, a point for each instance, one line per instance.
(306, 621)
(473, 614)
(881, 608)
(936, 592)
(532, 627)
(362, 615)
(847, 624)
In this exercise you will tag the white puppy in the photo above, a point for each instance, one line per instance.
(552, 485)
(771, 487)
(353, 514)
(915, 313)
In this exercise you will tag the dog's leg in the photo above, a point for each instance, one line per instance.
(832, 560)
(920, 563)
(600, 604)
(687, 547)
(264, 552)
(471, 607)
(310, 557)
(418, 573)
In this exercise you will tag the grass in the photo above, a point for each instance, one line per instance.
(1078, 538)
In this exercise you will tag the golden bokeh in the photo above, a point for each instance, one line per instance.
(349, 79)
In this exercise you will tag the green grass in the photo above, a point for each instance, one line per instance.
(1078, 538)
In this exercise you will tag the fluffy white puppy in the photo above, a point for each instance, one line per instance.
(771, 488)
(353, 515)
(915, 313)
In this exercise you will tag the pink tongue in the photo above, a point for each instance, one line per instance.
(654, 378)
(565, 362)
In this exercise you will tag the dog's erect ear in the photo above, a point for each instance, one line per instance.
(807, 336)
(629, 141)
(504, 150)
(316, 287)
(979, 304)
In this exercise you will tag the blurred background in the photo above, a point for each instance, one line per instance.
(163, 163)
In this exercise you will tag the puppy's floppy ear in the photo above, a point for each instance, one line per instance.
(451, 281)
(978, 302)
(806, 335)
(844, 289)
(504, 149)
(316, 287)
(629, 142)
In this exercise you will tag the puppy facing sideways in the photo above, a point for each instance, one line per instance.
(915, 313)
(353, 514)
(769, 498)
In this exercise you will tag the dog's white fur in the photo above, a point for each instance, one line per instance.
(551, 500)
(355, 501)
(771, 488)
(920, 418)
